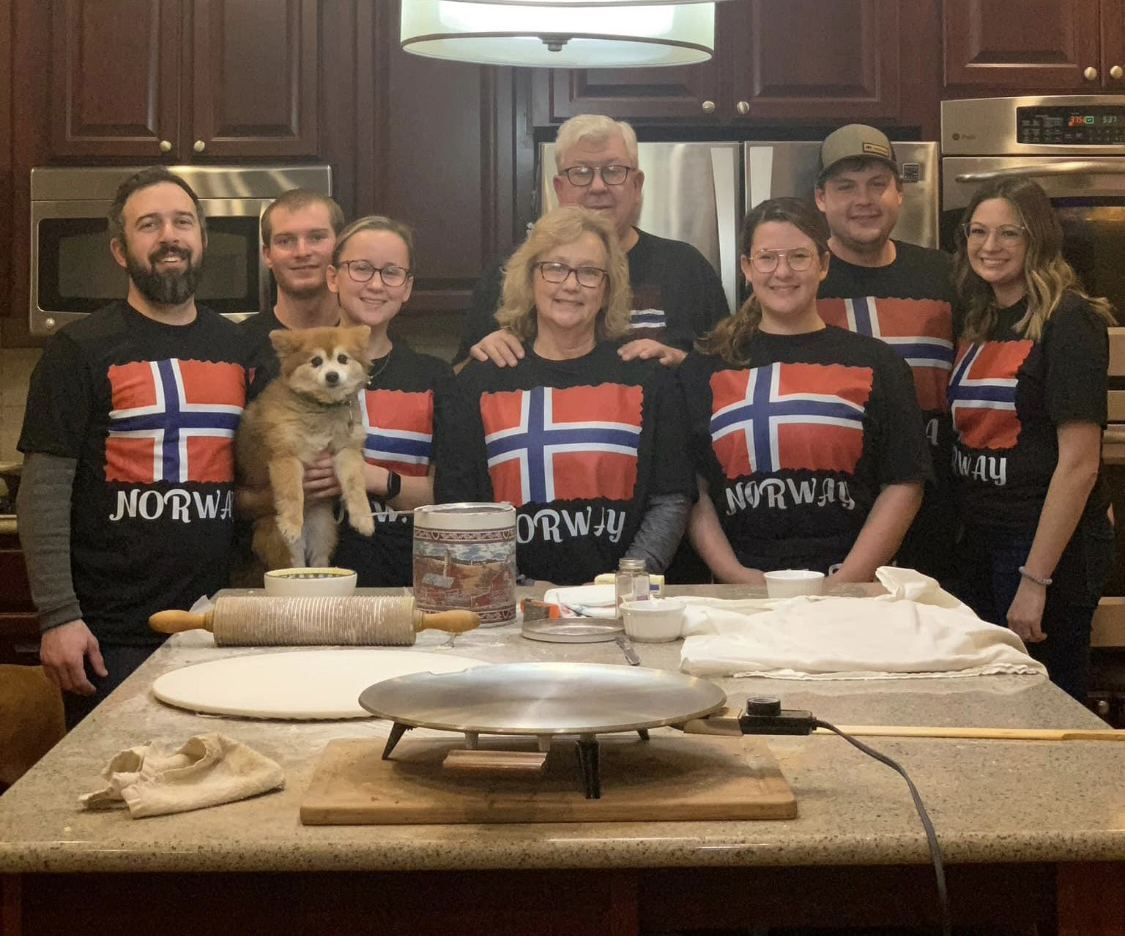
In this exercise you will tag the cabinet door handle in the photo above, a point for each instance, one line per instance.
(1116, 71)
(165, 146)
(708, 107)
(743, 107)
(199, 146)
(1090, 74)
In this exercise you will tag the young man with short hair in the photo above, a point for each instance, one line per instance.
(896, 291)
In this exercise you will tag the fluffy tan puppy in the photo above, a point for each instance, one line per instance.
(312, 406)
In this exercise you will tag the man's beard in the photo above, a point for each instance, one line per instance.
(175, 287)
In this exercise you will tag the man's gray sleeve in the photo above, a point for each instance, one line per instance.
(661, 530)
(43, 510)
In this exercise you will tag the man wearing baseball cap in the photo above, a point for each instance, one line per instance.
(896, 291)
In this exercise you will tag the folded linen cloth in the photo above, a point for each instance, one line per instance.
(915, 630)
(208, 770)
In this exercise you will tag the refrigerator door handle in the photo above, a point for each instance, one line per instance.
(724, 168)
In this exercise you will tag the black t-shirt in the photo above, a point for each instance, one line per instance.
(677, 295)
(796, 446)
(1008, 396)
(149, 412)
(409, 407)
(910, 304)
(578, 447)
(263, 359)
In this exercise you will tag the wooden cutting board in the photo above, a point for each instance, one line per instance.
(669, 777)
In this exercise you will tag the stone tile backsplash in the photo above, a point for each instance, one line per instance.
(16, 365)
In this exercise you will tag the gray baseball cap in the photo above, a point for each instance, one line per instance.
(855, 141)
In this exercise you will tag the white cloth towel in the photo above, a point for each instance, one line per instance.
(917, 629)
(208, 770)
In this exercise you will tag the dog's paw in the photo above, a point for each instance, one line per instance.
(364, 523)
(290, 531)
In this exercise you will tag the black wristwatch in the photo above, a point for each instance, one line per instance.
(394, 484)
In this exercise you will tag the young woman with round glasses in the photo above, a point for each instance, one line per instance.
(588, 447)
(1028, 401)
(408, 406)
(806, 438)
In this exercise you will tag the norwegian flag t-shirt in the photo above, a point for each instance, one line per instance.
(1008, 396)
(796, 446)
(409, 405)
(910, 305)
(149, 411)
(578, 447)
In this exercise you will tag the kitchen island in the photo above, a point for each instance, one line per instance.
(1032, 831)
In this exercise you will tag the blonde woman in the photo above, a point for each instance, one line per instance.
(807, 438)
(588, 447)
(1028, 401)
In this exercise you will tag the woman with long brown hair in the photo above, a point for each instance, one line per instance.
(807, 438)
(1028, 401)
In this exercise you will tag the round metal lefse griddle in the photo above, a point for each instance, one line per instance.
(543, 699)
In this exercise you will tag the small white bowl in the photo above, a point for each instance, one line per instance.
(328, 582)
(656, 620)
(790, 583)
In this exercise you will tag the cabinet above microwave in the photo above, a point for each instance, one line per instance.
(73, 272)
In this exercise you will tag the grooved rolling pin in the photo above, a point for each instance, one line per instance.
(353, 621)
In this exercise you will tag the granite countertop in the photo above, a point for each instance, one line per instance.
(990, 801)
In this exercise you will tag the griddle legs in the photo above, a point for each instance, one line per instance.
(589, 761)
(398, 729)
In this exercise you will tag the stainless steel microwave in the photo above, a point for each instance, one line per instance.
(73, 272)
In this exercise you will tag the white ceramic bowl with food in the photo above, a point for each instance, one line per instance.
(326, 582)
(655, 620)
(792, 583)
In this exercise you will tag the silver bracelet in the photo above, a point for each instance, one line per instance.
(1035, 578)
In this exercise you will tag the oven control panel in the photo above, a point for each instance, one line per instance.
(1061, 126)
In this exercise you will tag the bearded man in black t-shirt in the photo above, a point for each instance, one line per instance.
(126, 505)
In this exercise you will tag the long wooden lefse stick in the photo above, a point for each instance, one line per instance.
(729, 726)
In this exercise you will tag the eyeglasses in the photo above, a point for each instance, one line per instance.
(798, 258)
(361, 271)
(555, 272)
(582, 176)
(1008, 234)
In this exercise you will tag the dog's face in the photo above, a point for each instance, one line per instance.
(328, 364)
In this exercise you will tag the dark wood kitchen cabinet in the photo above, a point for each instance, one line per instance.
(442, 146)
(995, 47)
(776, 61)
(180, 80)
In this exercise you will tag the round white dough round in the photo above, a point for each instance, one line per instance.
(295, 685)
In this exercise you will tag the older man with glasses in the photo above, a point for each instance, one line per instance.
(677, 295)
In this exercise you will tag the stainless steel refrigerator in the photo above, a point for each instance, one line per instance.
(699, 192)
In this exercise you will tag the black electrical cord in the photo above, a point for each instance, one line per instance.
(931, 835)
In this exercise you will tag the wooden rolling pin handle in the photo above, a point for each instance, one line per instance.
(454, 622)
(175, 622)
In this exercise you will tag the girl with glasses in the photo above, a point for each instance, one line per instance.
(807, 438)
(1028, 401)
(589, 448)
(409, 404)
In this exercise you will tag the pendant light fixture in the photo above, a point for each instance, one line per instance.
(561, 33)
